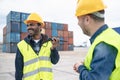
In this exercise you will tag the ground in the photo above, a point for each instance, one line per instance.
(62, 71)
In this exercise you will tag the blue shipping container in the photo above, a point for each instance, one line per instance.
(13, 16)
(54, 33)
(54, 26)
(70, 47)
(11, 47)
(13, 37)
(117, 29)
(13, 27)
(61, 42)
(60, 26)
(24, 16)
(4, 48)
(23, 27)
(60, 48)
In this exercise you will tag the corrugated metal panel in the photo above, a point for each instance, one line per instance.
(60, 48)
(70, 47)
(70, 34)
(11, 47)
(12, 37)
(65, 34)
(54, 26)
(23, 27)
(65, 27)
(70, 41)
(54, 33)
(61, 42)
(60, 33)
(65, 47)
(4, 30)
(66, 39)
(47, 25)
(13, 27)
(4, 39)
(24, 16)
(13, 16)
(48, 32)
(117, 29)
(4, 48)
(60, 26)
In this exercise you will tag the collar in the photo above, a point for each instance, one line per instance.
(99, 31)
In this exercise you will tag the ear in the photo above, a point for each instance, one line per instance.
(87, 20)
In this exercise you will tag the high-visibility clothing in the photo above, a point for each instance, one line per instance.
(36, 67)
(112, 38)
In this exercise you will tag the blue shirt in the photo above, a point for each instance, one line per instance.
(103, 62)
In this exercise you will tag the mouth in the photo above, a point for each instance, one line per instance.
(31, 31)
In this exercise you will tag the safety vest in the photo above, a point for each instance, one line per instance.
(36, 67)
(110, 37)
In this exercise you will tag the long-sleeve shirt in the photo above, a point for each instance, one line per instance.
(19, 58)
(103, 62)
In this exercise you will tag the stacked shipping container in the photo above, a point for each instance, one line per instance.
(16, 31)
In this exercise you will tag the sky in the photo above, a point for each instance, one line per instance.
(60, 11)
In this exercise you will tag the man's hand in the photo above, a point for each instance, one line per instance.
(76, 65)
(55, 42)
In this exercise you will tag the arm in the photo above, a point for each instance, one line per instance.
(102, 64)
(54, 56)
(18, 65)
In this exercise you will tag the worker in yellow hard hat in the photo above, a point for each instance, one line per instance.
(102, 59)
(36, 53)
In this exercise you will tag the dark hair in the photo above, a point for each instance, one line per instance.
(96, 18)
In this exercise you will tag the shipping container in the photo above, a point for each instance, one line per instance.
(60, 48)
(65, 27)
(12, 37)
(70, 47)
(61, 40)
(65, 34)
(4, 30)
(54, 26)
(60, 33)
(70, 41)
(13, 27)
(23, 27)
(70, 34)
(48, 32)
(4, 39)
(47, 25)
(66, 40)
(117, 29)
(60, 26)
(65, 47)
(4, 48)
(11, 47)
(54, 33)
(13, 16)
(24, 16)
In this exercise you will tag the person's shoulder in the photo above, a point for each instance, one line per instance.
(105, 47)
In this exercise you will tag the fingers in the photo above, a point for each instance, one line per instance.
(55, 42)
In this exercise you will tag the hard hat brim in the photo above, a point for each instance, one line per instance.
(28, 21)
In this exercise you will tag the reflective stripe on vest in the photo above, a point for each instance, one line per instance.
(36, 59)
(39, 66)
(111, 37)
(37, 71)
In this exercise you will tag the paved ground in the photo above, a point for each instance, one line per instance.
(62, 71)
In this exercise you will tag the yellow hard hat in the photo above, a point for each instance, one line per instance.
(89, 6)
(33, 17)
